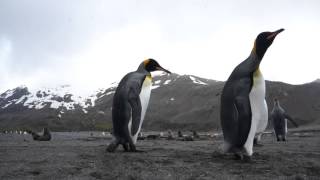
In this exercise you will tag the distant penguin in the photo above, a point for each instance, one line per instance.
(141, 136)
(45, 137)
(244, 112)
(130, 103)
(170, 135)
(195, 134)
(279, 120)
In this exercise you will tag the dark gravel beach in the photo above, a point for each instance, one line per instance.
(82, 155)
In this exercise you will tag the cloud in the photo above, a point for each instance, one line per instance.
(90, 44)
(5, 56)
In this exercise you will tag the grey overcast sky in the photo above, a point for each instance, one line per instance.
(91, 43)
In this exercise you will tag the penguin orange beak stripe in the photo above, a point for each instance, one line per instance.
(274, 34)
(163, 69)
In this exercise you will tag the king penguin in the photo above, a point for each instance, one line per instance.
(45, 137)
(243, 110)
(130, 104)
(279, 119)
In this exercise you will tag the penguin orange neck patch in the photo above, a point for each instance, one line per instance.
(149, 77)
(257, 73)
(145, 62)
(254, 48)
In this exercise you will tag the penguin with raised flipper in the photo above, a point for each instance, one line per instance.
(279, 120)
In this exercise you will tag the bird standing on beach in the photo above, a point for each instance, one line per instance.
(244, 112)
(45, 137)
(279, 120)
(130, 103)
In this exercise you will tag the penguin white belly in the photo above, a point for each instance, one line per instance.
(259, 110)
(286, 125)
(263, 122)
(144, 99)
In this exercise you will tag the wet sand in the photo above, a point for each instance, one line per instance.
(82, 156)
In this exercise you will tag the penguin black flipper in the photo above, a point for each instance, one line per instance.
(236, 119)
(135, 103)
(242, 103)
(291, 120)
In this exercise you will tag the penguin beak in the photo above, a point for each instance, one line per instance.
(275, 33)
(163, 69)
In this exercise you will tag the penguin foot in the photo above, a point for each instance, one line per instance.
(125, 147)
(112, 147)
(217, 154)
(246, 159)
(238, 156)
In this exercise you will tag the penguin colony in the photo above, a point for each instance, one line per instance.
(244, 112)
(243, 108)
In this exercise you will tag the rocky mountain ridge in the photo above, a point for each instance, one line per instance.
(177, 102)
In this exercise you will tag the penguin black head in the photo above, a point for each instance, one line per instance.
(152, 65)
(263, 41)
(276, 101)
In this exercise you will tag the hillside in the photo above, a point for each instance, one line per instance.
(177, 102)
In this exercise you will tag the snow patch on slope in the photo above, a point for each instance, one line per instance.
(111, 92)
(197, 81)
(55, 98)
(157, 82)
(167, 82)
(155, 87)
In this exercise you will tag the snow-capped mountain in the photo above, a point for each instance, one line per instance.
(56, 98)
(177, 102)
